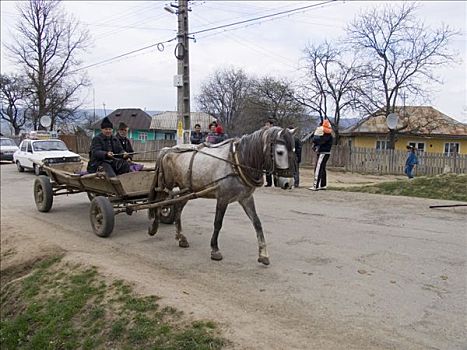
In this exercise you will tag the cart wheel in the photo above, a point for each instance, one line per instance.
(102, 216)
(43, 194)
(167, 214)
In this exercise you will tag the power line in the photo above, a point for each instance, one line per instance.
(125, 54)
(260, 17)
(203, 31)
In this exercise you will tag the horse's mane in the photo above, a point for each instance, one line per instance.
(255, 150)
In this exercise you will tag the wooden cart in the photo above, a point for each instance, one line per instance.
(125, 193)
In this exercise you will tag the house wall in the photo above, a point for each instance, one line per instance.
(165, 135)
(136, 134)
(432, 145)
(133, 134)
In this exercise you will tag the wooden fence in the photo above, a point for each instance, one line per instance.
(372, 161)
(362, 160)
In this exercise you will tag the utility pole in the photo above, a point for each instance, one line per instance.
(182, 79)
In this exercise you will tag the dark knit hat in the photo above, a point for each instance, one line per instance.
(106, 123)
(122, 125)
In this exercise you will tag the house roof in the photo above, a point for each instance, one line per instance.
(168, 120)
(135, 118)
(413, 120)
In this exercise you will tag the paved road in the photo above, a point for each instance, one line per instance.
(348, 270)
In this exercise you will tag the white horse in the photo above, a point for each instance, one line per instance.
(229, 172)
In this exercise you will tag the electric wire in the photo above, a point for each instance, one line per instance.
(283, 13)
(260, 17)
(124, 54)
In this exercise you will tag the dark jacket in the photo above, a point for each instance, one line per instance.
(126, 144)
(298, 149)
(100, 145)
(323, 143)
(196, 138)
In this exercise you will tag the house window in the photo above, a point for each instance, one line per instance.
(382, 145)
(451, 147)
(419, 146)
(169, 136)
(143, 136)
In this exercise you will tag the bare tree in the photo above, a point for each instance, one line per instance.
(331, 83)
(13, 99)
(47, 46)
(402, 53)
(224, 95)
(271, 98)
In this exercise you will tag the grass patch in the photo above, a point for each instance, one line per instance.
(62, 306)
(447, 186)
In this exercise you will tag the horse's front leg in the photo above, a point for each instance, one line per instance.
(221, 207)
(153, 216)
(182, 241)
(248, 204)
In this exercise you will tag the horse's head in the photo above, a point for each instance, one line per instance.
(283, 160)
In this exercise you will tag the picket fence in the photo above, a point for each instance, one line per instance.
(372, 161)
(361, 160)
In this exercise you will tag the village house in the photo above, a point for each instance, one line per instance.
(164, 124)
(160, 126)
(423, 127)
(137, 120)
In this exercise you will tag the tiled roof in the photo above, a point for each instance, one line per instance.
(168, 120)
(135, 118)
(413, 120)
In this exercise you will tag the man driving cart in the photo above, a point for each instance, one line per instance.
(107, 153)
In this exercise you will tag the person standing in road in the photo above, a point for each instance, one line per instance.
(411, 161)
(298, 159)
(322, 141)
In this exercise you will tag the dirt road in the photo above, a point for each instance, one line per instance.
(348, 270)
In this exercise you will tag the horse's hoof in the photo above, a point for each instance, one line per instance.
(264, 260)
(151, 231)
(183, 243)
(216, 256)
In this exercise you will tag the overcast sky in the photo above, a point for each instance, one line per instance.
(271, 47)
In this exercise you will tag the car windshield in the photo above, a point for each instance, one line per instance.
(7, 142)
(50, 146)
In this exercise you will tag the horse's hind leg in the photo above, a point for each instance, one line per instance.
(221, 207)
(182, 241)
(248, 205)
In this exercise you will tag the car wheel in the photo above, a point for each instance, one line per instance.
(37, 170)
(43, 194)
(19, 167)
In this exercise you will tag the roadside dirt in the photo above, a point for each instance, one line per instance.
(348, 270)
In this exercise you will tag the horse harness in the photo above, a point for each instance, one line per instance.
(233, 159)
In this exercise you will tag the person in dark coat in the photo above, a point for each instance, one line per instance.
(197, 136)
(107, 152)
(322, 141)
(122, 136)
(298, 159)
